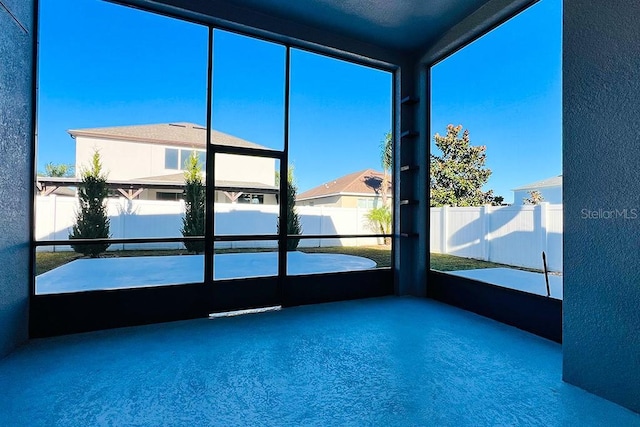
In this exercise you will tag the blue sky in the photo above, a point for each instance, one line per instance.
(506, 89)
(105, 65)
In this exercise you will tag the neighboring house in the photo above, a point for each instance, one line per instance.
(147, 162)
(550, 188)
(356, 190)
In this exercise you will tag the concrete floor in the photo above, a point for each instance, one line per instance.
(512, 278)
(377, 362)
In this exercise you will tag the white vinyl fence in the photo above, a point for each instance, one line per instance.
(512, 235)
(154, 218)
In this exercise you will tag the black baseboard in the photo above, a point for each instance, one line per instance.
(320, 288)
(533, 313)
(60, 314)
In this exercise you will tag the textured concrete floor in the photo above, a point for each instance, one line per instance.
(377, 362)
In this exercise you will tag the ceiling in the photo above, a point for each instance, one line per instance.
(398, 24)
(388, 31)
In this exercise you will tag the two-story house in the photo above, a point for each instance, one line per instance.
(148, 162)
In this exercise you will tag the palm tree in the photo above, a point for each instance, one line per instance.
(386, 157)
(381, 218)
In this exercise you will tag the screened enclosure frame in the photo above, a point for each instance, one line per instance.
(210, 237)
(536, 314)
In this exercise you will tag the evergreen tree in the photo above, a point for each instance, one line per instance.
(92, 221)
(457, 176)
(194, 200)
(293, 219)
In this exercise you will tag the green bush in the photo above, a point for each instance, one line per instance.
(293, 219)
(193, 221)
(92, 221)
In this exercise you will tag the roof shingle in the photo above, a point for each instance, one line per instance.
(366, 182)
(180, 134)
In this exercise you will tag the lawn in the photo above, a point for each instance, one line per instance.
(443, 262)
(46, 261)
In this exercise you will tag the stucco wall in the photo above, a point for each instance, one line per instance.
(130, 160)
(16, 46)
(121, 159)
(601, 160)
(329, 201)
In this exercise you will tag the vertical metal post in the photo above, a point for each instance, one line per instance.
(34, 145)
(284, 175)
(210, 174)
(396, 108)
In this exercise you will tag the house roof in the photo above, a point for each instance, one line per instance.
(555, 181)
(164, 182)
(179, 134)
(220, 184)
(366, 182)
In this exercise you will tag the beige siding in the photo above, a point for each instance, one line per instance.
(332, 201)
(124, 160)
(347, 201)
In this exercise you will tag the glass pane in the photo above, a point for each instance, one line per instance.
(508, 119)
(244, 259)
(340, 145)
(247, 195)
(171, 158)
(120, 267)
(313, 256)
(110, 85)
(248, 92)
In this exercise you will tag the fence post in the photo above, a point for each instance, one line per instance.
(544, 240)
(444, 236)
(54, 206)
(485, 212)
(123, 218)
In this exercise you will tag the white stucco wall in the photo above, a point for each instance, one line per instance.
(130, 160)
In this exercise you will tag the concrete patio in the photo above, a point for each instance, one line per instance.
(136, 272)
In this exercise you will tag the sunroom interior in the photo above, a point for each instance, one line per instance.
(403, 336)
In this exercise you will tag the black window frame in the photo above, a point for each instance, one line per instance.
(81, 311)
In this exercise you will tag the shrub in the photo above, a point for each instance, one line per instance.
(92, 221)
(293, 219)
(194, 202)
(380, 219)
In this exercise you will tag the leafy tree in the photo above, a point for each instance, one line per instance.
(92, 221)
(293, 219)
(62, 170)
(535, 198)
(497, 201)
(380, 218)
(193, 221)
(386, 157)
(457, 176)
